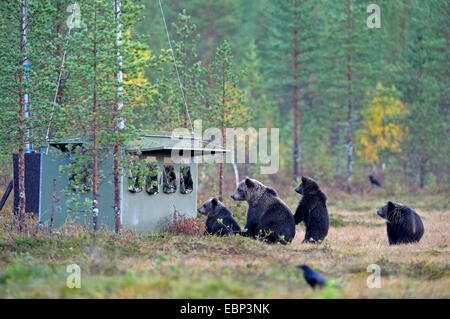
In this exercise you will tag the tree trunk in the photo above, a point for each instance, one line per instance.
(59, 55)
(350, 93)
(422, 172)
(21, 136)
(222, 130)
(295, 95)
(208, 42)
(236, 174)
(422, 161)
(374, 167)
(116, 155)
(221, 173)
(53, 206)
(95, 134)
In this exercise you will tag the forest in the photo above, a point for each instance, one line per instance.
(354, 90)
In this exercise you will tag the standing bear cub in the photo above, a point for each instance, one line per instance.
(312, 210)
(402, 223)
(220, 220)
(267, 216)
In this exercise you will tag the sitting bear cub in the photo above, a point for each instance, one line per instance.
(312, 210)
(220, 220)
(402, 223)
(267, 216)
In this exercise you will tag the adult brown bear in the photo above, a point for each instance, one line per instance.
(267, 216)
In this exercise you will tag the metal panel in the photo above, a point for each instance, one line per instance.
(32, 187)
(149, 213)
(51, 163)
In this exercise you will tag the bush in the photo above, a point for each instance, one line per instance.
(185, 226)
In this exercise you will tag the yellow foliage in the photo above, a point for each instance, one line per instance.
(234, 112)
(381, 128)
(139, 80)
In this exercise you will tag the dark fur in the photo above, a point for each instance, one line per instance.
(216, 211)
(312, 210)
(403, 224)
(267, 216)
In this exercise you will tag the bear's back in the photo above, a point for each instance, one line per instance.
(407, 230)
(278, 217)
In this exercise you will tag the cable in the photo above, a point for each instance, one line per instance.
(58, 83)
(176, 68)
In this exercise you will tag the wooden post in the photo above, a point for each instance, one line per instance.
(55, 199)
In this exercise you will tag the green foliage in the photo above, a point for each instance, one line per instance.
(170, 111)
(227, 100)
(37, 81)
(409, 52)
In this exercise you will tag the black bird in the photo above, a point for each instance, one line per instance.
(312, 278)
(374, 182)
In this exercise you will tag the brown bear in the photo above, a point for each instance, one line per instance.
(268, 216)
(312, 211)
(220, 220)
(402, 223)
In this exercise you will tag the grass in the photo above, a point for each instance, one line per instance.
(167, 266)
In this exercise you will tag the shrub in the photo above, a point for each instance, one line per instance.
(185, 226)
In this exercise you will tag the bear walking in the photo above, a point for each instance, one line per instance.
(267, 216)
(402, 223)
(220, 220)
(312, 210)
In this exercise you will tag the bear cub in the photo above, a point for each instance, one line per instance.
(219, 220)
(312, 210)
(267, 216)
(402, 223)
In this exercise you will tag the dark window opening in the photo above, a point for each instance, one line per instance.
(186, 182)
(134, 184)
(81, 182)
(169, 180)
(80, 171)
(136, 178)
(152, 186)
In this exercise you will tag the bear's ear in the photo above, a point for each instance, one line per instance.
(391, 205)
(214, 201)
(304, 180)
(248, 182)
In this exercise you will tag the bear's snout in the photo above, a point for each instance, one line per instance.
(235, 196)
(299, 190)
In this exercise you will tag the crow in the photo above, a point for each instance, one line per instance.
(312, 278)
(373, 181)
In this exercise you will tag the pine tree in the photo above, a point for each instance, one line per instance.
(170, 109)
(228, 108)
(427, 92)
(288, 53)
(27, 80)
(93, 107)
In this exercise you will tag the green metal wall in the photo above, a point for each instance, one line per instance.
(141, 212)
(50, 169)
